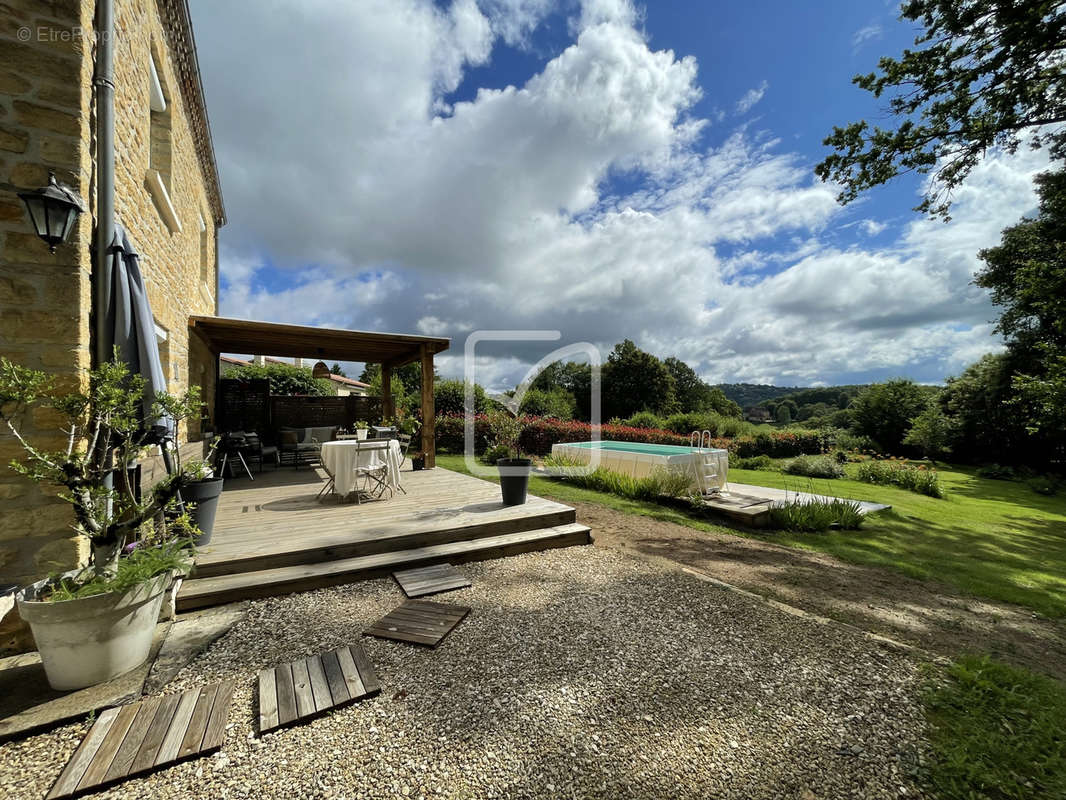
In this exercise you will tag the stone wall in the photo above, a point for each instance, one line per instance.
(46, 66)
(44, 298)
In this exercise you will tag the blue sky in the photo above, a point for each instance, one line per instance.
(602, 168)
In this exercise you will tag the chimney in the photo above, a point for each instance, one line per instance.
(298, 362)
(259, 361)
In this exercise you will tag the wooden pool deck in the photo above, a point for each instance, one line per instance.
(750, 505)
(273, 536)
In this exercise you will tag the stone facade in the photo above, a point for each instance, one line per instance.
(46, 122)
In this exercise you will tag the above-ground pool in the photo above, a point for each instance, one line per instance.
(639, 459)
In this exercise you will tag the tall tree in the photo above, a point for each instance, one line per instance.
(633, 381)
(984, 73)
(695, 394)
(883, 411)
(987, 426)
(1026, 274)
(336, 370)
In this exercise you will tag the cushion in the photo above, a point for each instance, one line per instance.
(288, 437)
(324, 434)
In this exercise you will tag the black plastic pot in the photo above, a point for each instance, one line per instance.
(205, 495)
(514, 479)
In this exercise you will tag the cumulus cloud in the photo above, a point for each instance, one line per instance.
(360, 196)
(751, 98)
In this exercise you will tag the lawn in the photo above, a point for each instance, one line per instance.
(992, 539)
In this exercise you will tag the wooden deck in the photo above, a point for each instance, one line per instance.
(272, 535)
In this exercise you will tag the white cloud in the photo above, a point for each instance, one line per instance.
(865, 34)
(751, 98)
(357, 199)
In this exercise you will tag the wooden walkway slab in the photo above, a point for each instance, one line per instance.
(419, 622)
(297, 691)
(433, 579)
(144, 736)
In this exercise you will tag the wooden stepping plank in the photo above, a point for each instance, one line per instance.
(430, 580)
(419, 622)
(146, 735)
(297, 691)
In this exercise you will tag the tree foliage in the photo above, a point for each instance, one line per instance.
(931, 432)
(449, 397)
(285, 379)
(634, 380)
(883, 411)
(982, 74)
(1026, 274)
(555, 402)
(696, 395)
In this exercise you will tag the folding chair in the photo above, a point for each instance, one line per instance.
(328, 486)
(371, 475)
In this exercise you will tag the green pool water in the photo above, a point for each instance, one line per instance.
(635, 447)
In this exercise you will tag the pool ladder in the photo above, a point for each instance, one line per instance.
(706, 468)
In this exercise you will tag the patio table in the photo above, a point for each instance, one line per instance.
(343, 456)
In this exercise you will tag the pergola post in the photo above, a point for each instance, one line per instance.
(429, 413)
(388, 408)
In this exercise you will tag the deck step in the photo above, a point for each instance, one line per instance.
(359, 543)
(203, 592)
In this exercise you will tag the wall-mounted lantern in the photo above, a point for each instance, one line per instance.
(53, 210)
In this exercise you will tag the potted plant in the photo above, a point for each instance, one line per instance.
(506, 430)
(201, 493)
(361, 427)
(96, 622)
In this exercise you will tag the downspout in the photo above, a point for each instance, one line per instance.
(104, 82)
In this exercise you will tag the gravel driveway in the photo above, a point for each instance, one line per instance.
(579, 673)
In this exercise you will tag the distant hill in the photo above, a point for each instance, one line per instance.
(838, 396)
(751, 394)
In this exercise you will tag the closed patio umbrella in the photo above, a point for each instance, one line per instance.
(131, 328)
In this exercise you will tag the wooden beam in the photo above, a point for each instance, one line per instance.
(429, 414)
(388, 408)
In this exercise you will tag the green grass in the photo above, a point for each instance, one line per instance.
(993, 539)
(997, 540)
(996, 732)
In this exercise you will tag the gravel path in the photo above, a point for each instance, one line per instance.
(579, 673)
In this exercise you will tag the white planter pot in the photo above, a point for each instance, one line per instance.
(360, 433)
(94, 639)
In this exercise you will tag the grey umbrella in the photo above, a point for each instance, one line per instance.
(132, 330)
(131, 327)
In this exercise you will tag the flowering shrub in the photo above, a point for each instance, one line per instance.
(540, 433)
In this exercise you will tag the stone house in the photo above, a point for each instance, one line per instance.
(167, 196)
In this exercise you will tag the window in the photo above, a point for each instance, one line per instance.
(163, 340)
(205, 259)
(160, 142)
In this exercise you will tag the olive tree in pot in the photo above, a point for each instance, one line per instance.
(96, 622)
(514, 469)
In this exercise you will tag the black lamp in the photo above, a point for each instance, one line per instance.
(53, 210)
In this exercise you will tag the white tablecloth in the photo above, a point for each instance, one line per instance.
(342, 457)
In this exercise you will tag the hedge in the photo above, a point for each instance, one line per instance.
(540, 433)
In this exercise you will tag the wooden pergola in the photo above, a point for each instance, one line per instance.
(391, 350)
